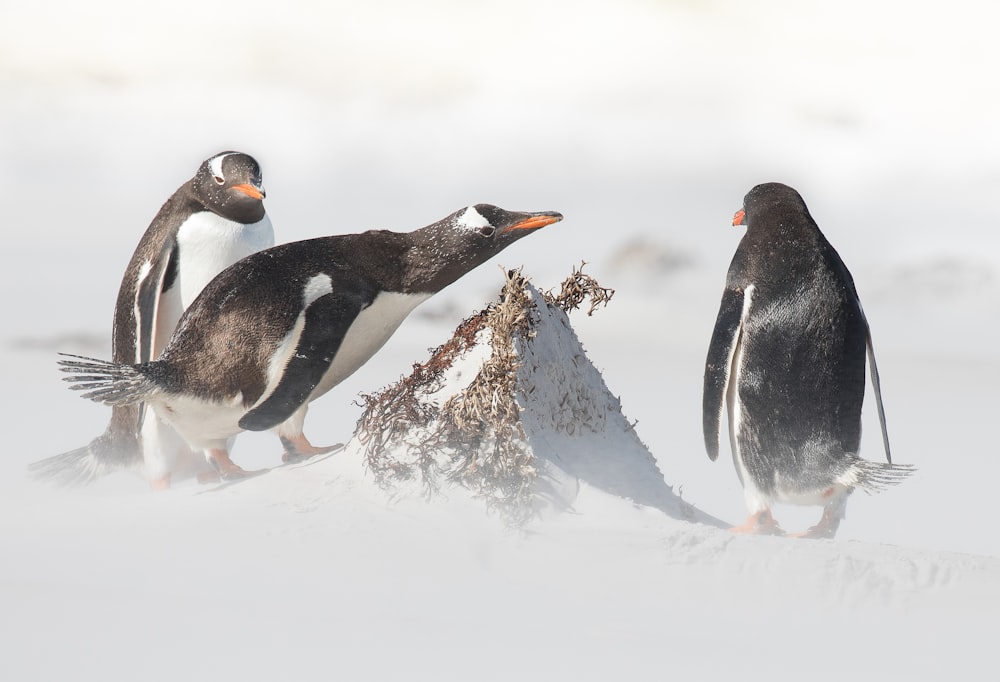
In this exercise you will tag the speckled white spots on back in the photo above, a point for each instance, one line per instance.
(471, 219)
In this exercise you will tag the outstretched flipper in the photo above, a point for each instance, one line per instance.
(327, 320)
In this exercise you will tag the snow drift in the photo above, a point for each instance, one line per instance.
(309, 571)
(511, 408)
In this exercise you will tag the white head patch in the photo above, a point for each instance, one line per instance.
(472, 219)
(215, 165)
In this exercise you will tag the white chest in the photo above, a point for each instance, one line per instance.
(209, 244)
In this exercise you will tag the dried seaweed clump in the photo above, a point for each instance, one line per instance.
(576, 289)
(396, 418)
(415, 430)
(482, 424)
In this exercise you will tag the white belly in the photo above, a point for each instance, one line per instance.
(201, 423)
(371, 329)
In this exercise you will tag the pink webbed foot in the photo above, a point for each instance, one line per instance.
(298, 448)
(825, 529)
(227, 469)
(207, 477)
(160, 483)
(761, 523)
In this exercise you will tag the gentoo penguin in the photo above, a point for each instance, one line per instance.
(283, 326)
(210, 222)
(787, 359)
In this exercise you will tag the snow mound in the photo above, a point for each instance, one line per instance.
(512, 409)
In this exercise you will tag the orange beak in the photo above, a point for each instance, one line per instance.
(250, 191)
(739, 217)
(534, 222)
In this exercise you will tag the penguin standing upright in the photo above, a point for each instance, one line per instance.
(209, 223)
(787, 360)
(285, 325)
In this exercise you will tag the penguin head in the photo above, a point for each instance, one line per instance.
(469, 237)
(230, 185)
(770, 198)
(488, 228)
(480, 232)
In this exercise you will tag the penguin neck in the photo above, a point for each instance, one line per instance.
(783, 248)
(424, 261)
(438, 256)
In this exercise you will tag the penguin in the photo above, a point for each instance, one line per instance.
(283, 326)
(787, 362)
(213, 220)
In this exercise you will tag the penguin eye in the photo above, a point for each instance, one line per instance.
(219, 180)
(487, 230)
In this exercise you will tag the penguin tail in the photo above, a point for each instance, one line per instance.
(74, 468)
(117, 449)
(874, 477)
(79, 467)
(108, 382)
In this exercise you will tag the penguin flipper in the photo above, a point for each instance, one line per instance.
(873, 370)
(718, 366)
(327, 320)
(147, 301)
(147, 306)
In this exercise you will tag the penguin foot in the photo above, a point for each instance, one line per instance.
(825, 529)
(299, 448)
(160, 483)
(761, 523)
(208, 477)
(817, 532)
(227, 469)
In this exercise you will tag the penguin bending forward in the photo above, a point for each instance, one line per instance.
(283, 326)
(787, 361)
(209, 223)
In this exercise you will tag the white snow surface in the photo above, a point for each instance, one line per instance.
(574, 425)
(644, 122)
